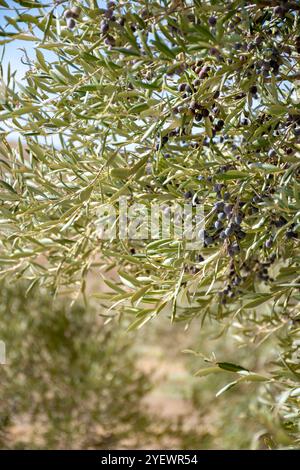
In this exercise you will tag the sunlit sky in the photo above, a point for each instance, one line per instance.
(13, 50)
(13, 54)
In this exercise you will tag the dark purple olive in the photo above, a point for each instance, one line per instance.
(269, 243)
(280, 11)
(188, 195)
(71, 23)
(212, 20)
(104, 27)
(219, 206)
(218, 224)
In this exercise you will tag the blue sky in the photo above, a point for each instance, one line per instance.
(13, 54)
(13, 50)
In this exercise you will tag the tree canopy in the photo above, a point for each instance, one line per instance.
(162, 102)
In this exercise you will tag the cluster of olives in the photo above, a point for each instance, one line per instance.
(239, 275)
(199, 110)
(258, 268)
(105, 23)
(231, 288)
(271, 64)
(71, 15)
(228, 224)
(269, 52)
(227, 221)
(110, 18)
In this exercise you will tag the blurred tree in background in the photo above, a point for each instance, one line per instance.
(164, 101)
(71, 380)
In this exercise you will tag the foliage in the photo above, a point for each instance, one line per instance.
(162, 101)
(271, 406)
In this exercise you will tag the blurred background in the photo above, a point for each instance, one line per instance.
(71, 381)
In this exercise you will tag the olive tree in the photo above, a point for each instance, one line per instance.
(163, 102)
